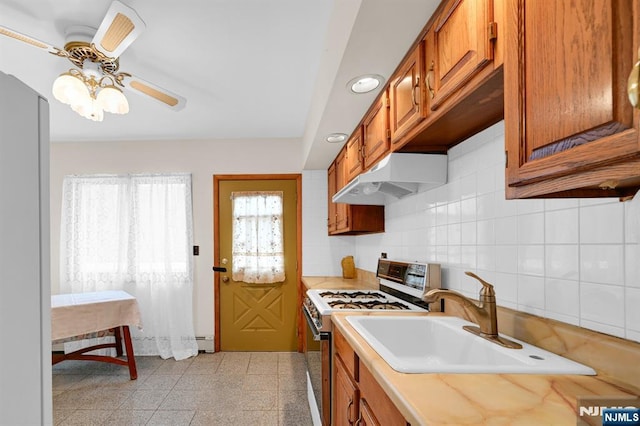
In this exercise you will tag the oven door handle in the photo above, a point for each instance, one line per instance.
(317, 335)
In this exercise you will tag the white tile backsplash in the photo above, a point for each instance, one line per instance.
(531, 228)
(454, 236)
(602, 303)
(486, 258)
(531, 260)
(562, 298)
(562, 261)
(632, 298)
(602, 224)
(506, 229)
(561, 226)
(531, 293)
(485, 232)
(602, 264)
(468, 211)
(573, 260)
(468, 234)
(632, 265)
(507, 259)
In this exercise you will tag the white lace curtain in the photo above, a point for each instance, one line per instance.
(258, 245)
(134, 233)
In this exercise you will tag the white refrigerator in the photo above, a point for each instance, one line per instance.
(25, 290)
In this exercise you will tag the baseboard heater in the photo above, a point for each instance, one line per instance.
(205, 344)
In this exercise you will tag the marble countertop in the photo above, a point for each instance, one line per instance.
(460, 399)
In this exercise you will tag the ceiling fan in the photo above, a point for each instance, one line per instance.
(94, 84)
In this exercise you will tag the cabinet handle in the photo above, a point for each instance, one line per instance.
(432, 93)
(349, 411)
(633, 90)
(413, 91)
(359, 421)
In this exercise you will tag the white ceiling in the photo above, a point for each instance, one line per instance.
(250, 69)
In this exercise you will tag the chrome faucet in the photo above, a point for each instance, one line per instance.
(483, 313)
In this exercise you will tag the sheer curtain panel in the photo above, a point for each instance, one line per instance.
(134, 233)
(258, 245)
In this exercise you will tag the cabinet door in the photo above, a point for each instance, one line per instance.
(382, 409)
(345, 395)
(376, 131)
(462, 39)
(342, 209)
(332, 189)
(354, 155)
(367, 418)
(406, 95)
(568, 123)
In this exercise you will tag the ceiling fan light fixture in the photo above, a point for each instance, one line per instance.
(96, 56)
(111, 99)
(88, 95)
(70, 89)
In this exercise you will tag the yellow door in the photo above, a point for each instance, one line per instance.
(257, 316)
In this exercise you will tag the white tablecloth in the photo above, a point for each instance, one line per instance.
(82, 313)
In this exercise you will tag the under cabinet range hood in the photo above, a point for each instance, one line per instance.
(396, 175)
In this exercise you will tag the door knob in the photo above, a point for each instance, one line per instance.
(225, 279)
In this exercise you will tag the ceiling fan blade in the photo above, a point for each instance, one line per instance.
(29, 40)
(168, 98)
(119, 28)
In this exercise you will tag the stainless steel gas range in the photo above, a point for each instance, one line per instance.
(402, 285)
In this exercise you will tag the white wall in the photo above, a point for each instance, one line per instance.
(321, 254)
(201, 158)
(573, 260)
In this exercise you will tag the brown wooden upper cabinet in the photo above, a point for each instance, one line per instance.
(458, 46)
(354, 160)
(342, 216)
(332, 220)
(375, 128)
(345, 219)
(406, 95)
(569, 127)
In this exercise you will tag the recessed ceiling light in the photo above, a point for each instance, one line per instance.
(365, 83)
(336, 137)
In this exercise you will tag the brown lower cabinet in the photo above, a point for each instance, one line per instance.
(357, 398)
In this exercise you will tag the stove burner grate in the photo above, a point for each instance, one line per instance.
(351, 295)
(340, 304)
(386, 305)
(374, 304)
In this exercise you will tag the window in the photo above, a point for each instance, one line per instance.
(258, 245)
(134, 233)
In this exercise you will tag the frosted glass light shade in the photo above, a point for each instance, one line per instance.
(89, 109)
(70, 90)
(112, 100)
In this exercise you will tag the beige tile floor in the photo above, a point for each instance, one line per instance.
(225, 388)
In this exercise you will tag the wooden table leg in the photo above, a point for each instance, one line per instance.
(131, 359)
(118, 337)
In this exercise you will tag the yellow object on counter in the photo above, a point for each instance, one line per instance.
(348, 267)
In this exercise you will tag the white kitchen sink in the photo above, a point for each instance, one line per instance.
(437, 344)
